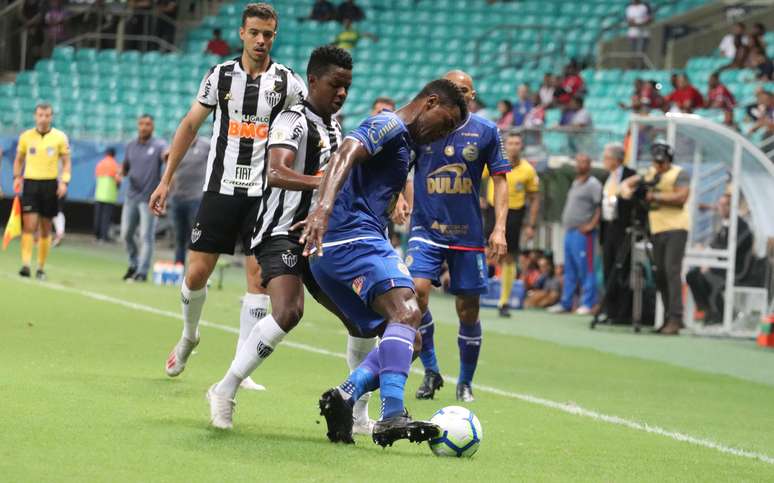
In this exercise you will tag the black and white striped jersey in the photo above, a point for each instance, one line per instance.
(314, 141)
(244, 108)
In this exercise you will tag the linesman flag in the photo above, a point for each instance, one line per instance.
(14, 226)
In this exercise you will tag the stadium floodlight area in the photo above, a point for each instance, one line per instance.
(720, 161)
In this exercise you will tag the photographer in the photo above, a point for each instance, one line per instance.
(666, 190)
(616, 218)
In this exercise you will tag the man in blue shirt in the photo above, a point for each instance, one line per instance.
(356, 266)
(446, 225)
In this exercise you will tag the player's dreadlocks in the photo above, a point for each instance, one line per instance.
(327, 57)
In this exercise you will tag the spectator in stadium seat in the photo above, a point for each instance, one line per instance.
(323, 11)
(143, 160)
(548, 288)
(708, 284)
(685, 98)
(757, 38)
(186, 193)
(505, 110)
(108, 180)
(580, 219)
(570, 86)
(522, 106)
(764, 69)
(718, 95)
(217, 45)
(547, 90)
(733, 41)
(638, 17)
(382, 103)
(575, 116)
(350, 36)
(761, 113)
(348, 10)
(536, 117)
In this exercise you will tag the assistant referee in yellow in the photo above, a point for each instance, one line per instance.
(523, 190)
(37, 175)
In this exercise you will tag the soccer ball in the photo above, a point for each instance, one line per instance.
(461, 432)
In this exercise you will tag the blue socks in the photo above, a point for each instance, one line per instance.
(365, 378)
(427, 354)
(395, 353)
(469, 342)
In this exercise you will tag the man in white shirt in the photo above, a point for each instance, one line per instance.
(638, 17)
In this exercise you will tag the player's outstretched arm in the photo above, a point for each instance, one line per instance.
(349, 154)
(498, 247)
(282, 175)
(184, 136)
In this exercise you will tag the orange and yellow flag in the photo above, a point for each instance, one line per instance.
(14, 226)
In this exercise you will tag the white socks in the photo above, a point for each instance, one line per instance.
(357, 350)
(254, 308)
(192, 301)
(260, 343)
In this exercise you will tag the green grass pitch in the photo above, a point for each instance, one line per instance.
(85, 398)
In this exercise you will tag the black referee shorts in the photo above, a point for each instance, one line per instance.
(39, 196)
(512, 227)
(222, 221)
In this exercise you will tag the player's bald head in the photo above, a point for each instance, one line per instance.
(463, 81)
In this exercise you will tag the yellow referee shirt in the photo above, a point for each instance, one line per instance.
(522, 179)
(42, 152)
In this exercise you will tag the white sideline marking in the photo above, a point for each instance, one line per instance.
(564, 407)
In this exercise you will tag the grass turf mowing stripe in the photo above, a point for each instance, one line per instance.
(564, 407)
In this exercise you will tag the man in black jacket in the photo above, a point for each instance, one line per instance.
(616, 218)
(708, 284)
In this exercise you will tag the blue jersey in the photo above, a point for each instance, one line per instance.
(368, 195)
(447, 180)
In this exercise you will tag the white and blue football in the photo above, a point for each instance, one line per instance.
(461, 432)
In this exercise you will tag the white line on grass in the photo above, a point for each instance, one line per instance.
(564, 407)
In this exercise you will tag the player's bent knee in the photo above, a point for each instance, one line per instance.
(288, 317)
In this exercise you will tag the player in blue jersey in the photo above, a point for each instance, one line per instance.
(356, 266)
(446, 225)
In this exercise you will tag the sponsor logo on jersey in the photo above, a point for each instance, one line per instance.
(50, 151)
(376, 136)
(263, 350)
(248, 130)
(454, 230)
(242, 173)
(228, 96)
(449, 180)
(470, 134)
(357, 284)
(277, 134)
(207, 87)
(449, 150)
(196, 233)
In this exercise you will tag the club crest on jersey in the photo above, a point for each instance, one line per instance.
(290, 259)
(449, 150)
(450, 180)
(470, 152)
(357, 284)
(227, 97)
(196, 233)
(409, 260)
(272, 97)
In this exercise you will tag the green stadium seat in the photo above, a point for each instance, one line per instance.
(64, 53)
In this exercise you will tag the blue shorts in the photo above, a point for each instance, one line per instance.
(467, 268)
(354, 273)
